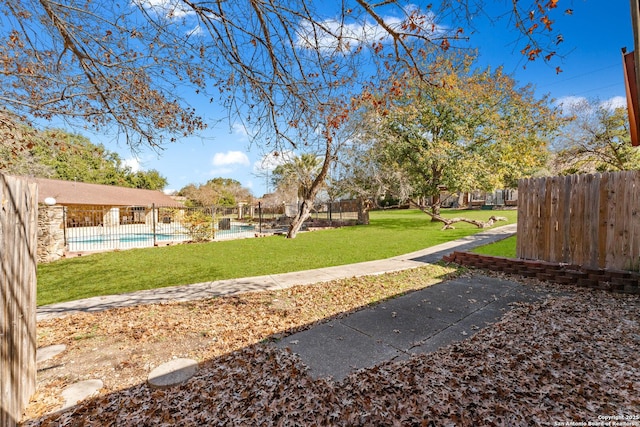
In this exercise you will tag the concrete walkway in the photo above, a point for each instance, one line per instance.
(418, 322)
(275, 281)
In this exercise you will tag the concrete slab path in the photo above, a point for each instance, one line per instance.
(419, 322)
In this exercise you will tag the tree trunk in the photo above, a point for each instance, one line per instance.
(480, 224)
(307, 202)
(435, 206)
(363, 211)
(296, 223)
(448, 223)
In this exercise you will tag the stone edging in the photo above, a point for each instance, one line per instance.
(620, 281)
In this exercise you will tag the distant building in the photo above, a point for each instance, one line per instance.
(101, 205)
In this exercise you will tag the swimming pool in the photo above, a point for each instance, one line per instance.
(236, 231)
(99, 242)
(124, 238)
(99, 239)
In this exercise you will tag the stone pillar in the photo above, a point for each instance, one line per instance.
(50, 233)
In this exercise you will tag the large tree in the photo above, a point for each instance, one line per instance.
(287, 69)
(596, 139)
(57, 154)
(219, 191)
(304, 176)
(361, 171)
(476, 130)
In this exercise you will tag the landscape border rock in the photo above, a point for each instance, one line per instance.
(49, 352)
(172, 373)
(79, 391)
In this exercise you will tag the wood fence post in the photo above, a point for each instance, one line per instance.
(18, 258)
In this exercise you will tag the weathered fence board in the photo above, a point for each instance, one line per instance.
(587, 220)
(18, 235)
(634, 203)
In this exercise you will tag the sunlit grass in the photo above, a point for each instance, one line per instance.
(391, 233)
(503, 248)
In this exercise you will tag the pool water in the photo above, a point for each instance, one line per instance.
(131, 237)
(134, 240)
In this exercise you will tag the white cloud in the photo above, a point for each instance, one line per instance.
(132, 163)
(573, 103)
(615, 102)
(269, 162)
(196, 31)
(168, 8)
(333, 35)
(568, 102)
(231, 158)
(240, 130)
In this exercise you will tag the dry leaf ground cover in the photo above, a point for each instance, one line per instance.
(573, 358)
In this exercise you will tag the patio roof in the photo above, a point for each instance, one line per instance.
(81, 193)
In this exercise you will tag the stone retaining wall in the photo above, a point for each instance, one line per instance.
(621, 281)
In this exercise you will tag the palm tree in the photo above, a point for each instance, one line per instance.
(299, 173)
(306, 173)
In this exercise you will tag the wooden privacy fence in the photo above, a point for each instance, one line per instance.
(586, 220)
(18, 226)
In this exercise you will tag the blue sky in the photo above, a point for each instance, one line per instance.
(591, 64)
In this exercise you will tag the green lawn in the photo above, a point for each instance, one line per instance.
(504, 248)
(391, 233)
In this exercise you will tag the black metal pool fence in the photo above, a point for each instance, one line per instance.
(102, 228)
